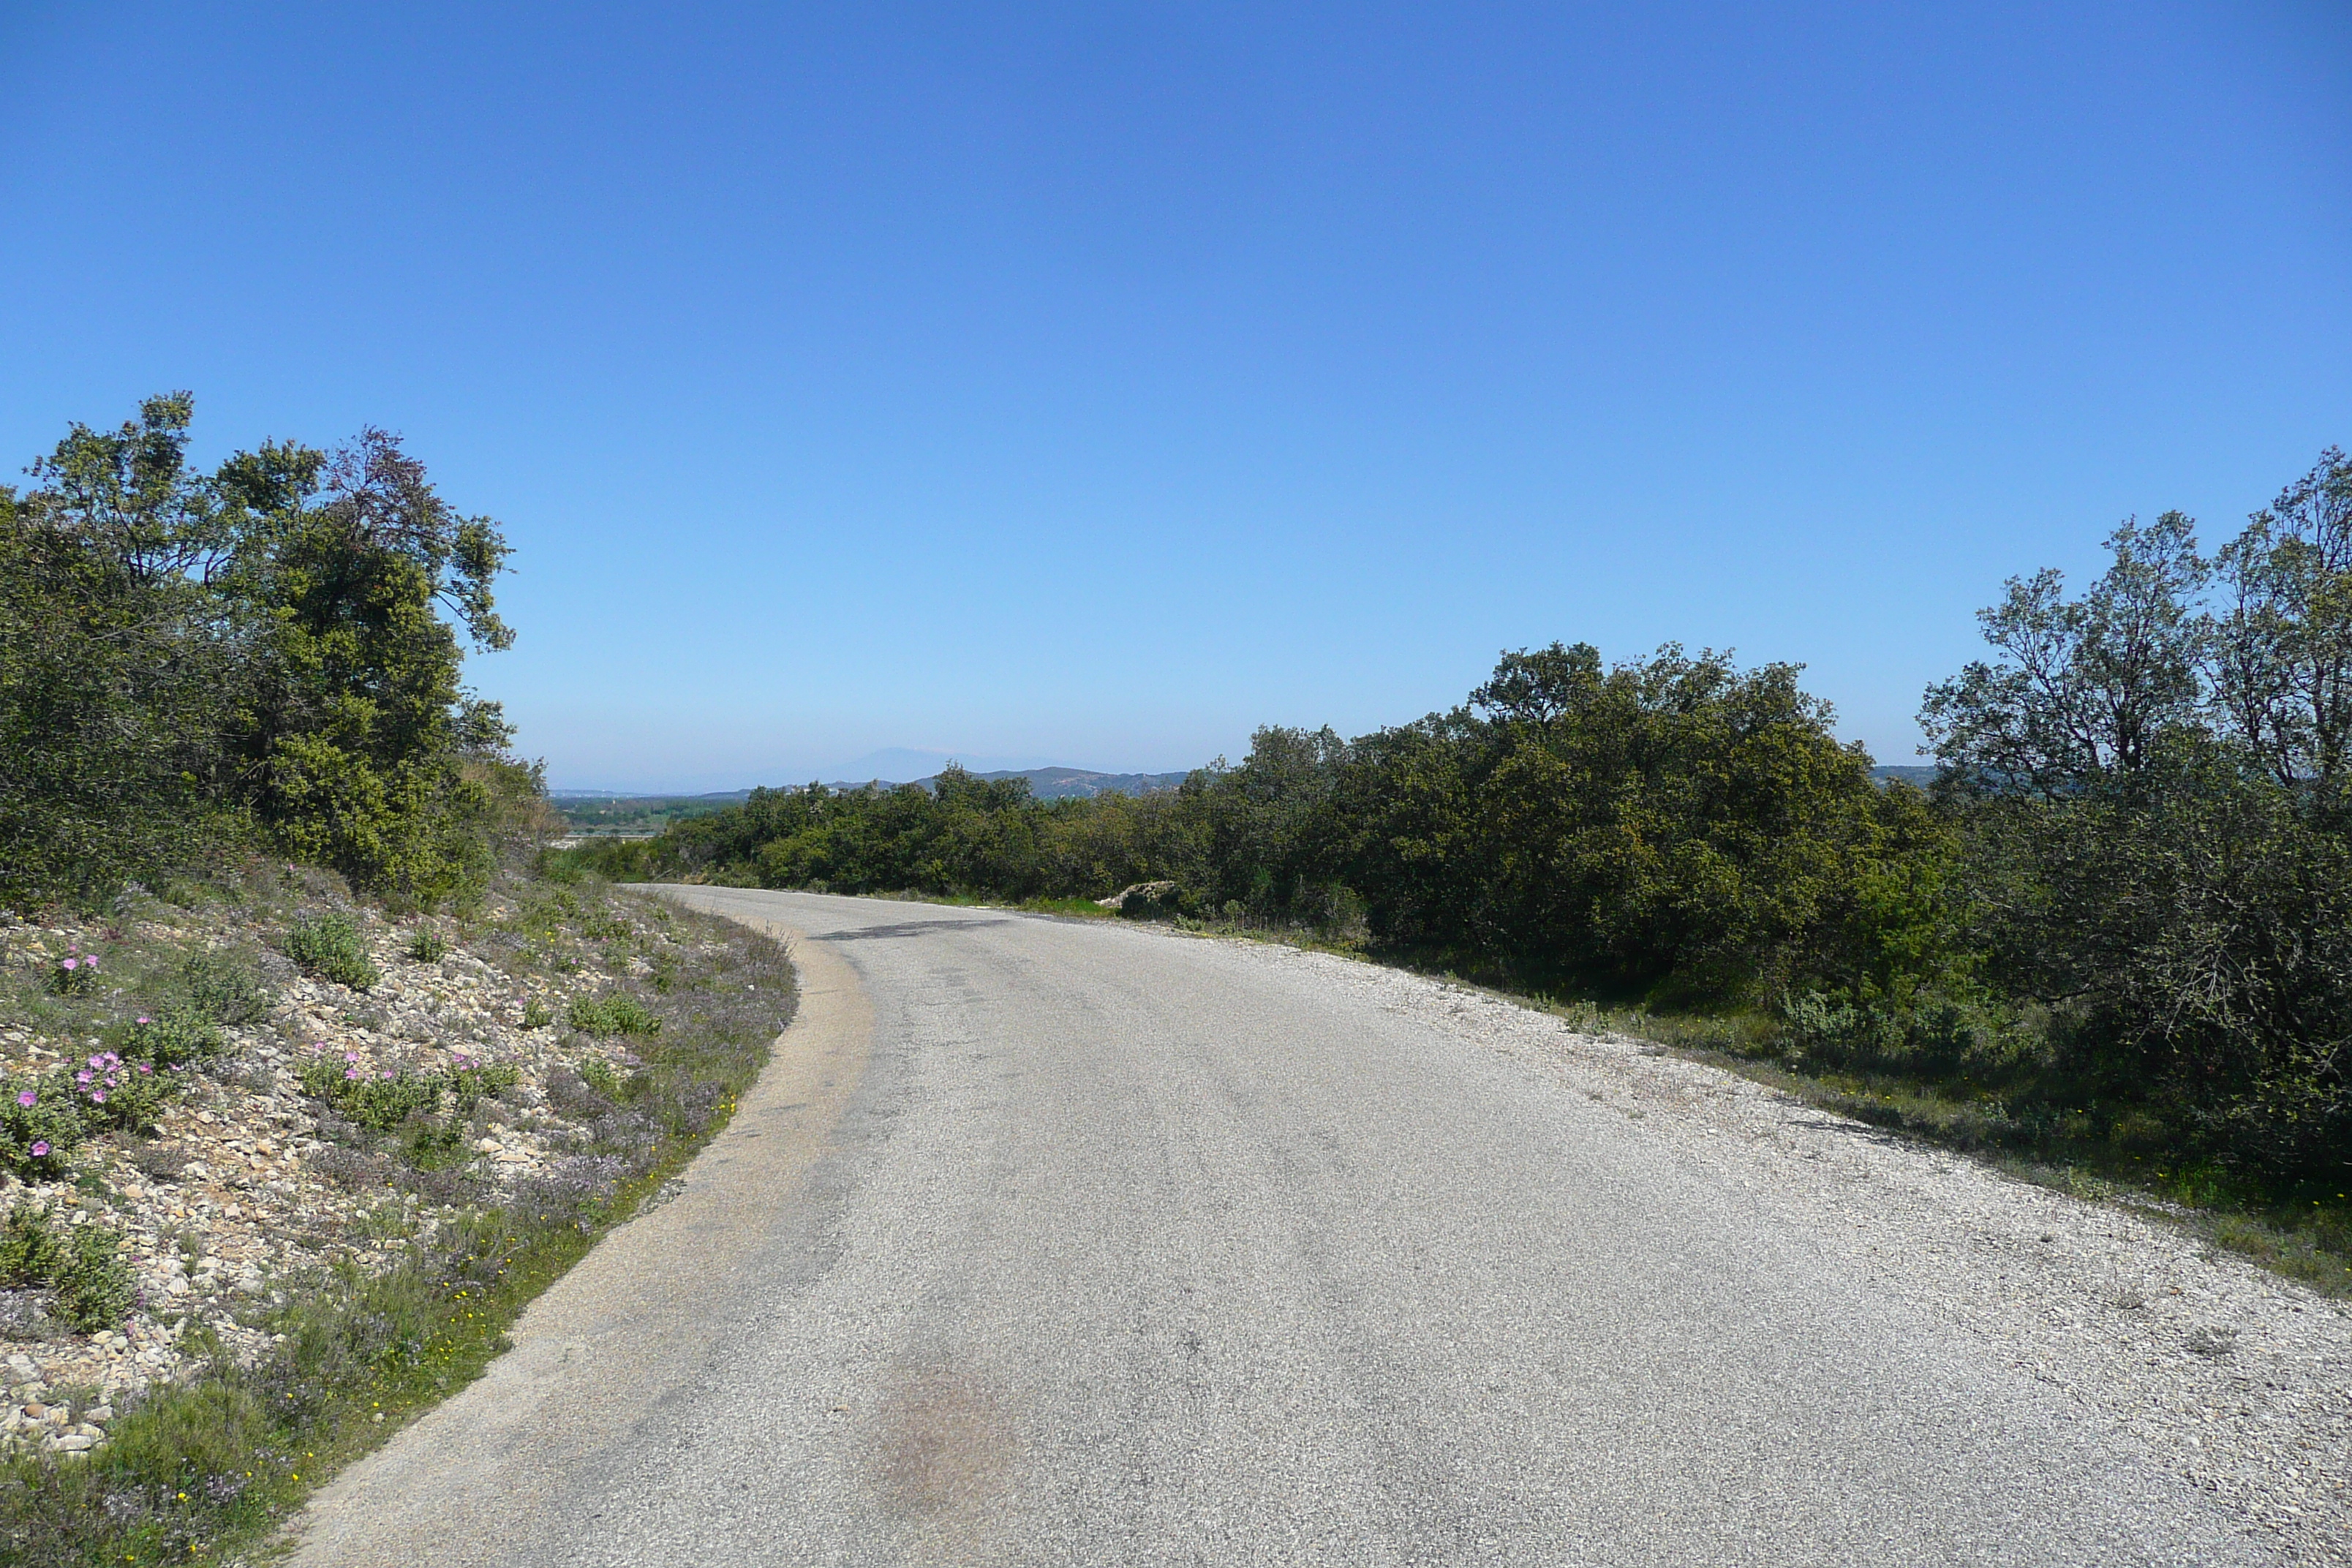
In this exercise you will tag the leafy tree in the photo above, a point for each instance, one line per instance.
(2150, 787)
(114, 656)
(190, 658)
(356, 725)
(2281, 656)
(2085, 686)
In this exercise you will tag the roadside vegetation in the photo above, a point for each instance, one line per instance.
(308, 1081)
(2114, 936)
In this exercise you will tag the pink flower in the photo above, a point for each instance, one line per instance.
(98, 1097)
(146, 1020)
(387, 1075)
(350, 1056)
(40, 1147)
(145, 1068)
(350, 1072)
(72, 964)
(28, 1098)
(81, 1077)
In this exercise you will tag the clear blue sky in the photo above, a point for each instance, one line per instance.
(1092, 383)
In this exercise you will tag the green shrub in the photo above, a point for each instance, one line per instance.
(470, 1082)
(599, 1076)
(75, 975)
(617, 1014)
(383, 1101)
(111, 1094)
(175, 1036)
(222, 985)
(330, 947)
(39, 1125)
(426, 947)
(83, 1264)
(537, 1014)
(379, 1101)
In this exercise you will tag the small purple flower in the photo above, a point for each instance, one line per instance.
(71, 964)
(146, 1020)
(28, 1098)
(40, 1147)
(145, 1068)
(81, 1077)
(350, 1072)
(387, 1075)
(98, 1097)
(350, 1056)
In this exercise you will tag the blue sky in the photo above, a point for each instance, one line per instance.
(1093, 384)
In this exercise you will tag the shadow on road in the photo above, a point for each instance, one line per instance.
(906, 928)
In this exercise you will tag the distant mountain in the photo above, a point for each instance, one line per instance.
(1910, 773)
(897, 764)
(722, 796)
(1063, 783)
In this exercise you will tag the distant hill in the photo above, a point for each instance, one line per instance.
(1063, 783)
(600, 811)
(1911, 774)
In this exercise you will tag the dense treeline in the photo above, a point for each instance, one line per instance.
(194, 662)
(2124, 907)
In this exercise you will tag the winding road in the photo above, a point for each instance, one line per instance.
(1047, 1241)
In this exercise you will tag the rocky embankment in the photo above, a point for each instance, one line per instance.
(276, 1156)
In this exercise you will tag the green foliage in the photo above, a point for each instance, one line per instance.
(189, 660)
(616, 1013)
(599, 1076)
(470, 1082)
(427, 946)
(537, 1014)
(220, 984)
(116, 688)
(2150, 783)
(83, 1264)
(378, 1101)
(389, 1099)
(39, 1125)
(1673, 828)
(331, 947)
(111, 1094)
(175, 1036)
(75, 975)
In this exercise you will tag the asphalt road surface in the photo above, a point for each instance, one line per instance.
(1059, 1242)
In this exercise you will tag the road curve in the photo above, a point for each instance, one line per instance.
(1058, 1242)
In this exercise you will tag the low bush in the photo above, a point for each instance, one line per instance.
(220, 984)
(82, 1265)
(426, 947)
(38, 1127)
(385, 1101)
(75, 975)
(175, 1036)
(111, 1094)
(617, 1013)
(331, 947)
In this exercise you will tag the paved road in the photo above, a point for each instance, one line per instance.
(1050, 1242)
